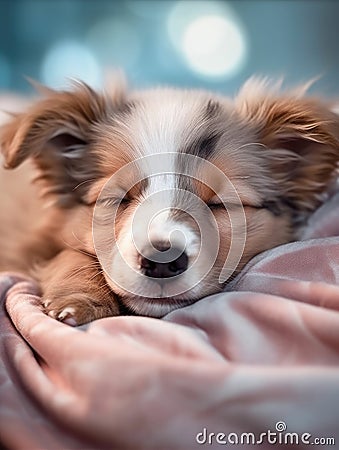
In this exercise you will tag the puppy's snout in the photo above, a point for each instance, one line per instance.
(164, 261)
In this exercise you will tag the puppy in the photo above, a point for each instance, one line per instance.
(143, 202)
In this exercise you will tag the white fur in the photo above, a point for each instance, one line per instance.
(158, 130)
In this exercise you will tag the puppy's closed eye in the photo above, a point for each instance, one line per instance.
(114, 201)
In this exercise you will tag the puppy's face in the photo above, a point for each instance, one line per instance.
(174, 191)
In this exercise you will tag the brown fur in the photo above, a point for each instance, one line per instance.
(70, 138)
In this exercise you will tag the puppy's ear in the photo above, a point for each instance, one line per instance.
(56, 132)
(301, 142)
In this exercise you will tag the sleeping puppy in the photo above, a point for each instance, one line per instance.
(143, 202)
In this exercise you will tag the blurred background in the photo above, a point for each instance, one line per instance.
(213, 44)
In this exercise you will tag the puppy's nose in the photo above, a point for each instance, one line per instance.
(165, 263)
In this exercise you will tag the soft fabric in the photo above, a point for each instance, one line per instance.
(263, 356)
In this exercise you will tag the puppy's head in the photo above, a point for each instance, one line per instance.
(179, 189)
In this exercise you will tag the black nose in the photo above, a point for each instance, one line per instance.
(174, 262)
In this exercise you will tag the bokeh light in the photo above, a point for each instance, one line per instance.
(209, 37)
(185, 12)
(214, 46)
(69, 59)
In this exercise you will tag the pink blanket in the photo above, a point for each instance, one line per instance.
(250, 365)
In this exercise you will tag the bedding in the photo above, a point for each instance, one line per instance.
(240, 368)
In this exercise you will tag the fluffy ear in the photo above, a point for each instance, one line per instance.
(56, 132)
(301, 142)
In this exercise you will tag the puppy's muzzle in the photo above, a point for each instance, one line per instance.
(162, 261)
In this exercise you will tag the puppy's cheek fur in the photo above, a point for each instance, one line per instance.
(75, 232)
(113, 241)
(263, 231)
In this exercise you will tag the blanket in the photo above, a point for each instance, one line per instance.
(257, 365)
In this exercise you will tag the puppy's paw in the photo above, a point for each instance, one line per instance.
(66, 315)
(77, 309)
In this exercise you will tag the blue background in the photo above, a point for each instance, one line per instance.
(52, 39)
